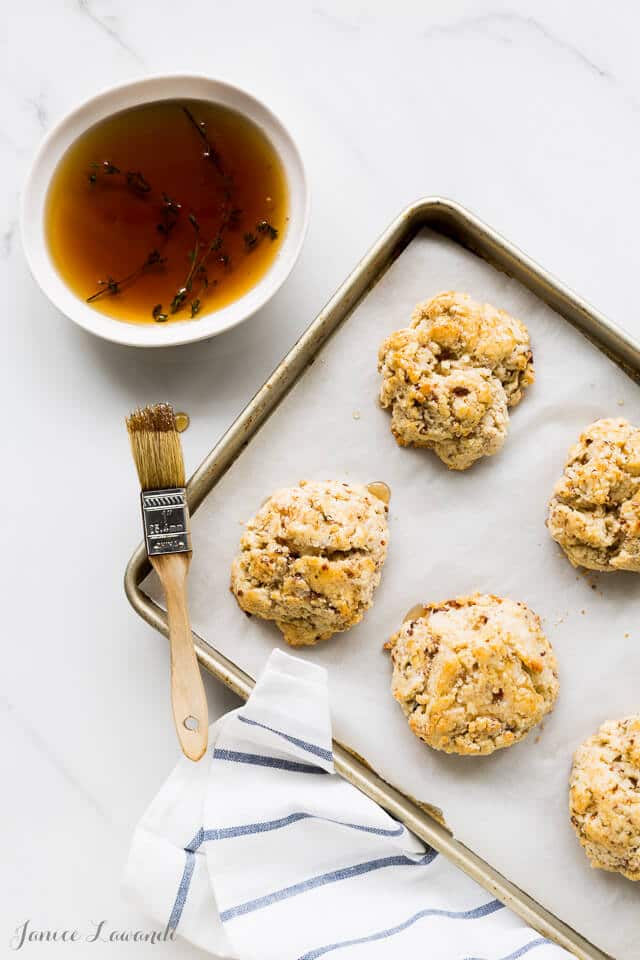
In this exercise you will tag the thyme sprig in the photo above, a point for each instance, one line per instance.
(133, 179)
(200, 255)
(169, 214)
(106, 167)
(112, 286)
(210, 152)
(182, 292)
(137, 183)
(197, 271)
(264, 227)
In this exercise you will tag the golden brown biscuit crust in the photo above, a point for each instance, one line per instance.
(604, 797)
(461, 330)
(450, 376)
(311, 559)
(473, 674)
(594, 513)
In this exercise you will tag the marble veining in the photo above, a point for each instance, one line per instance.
(37, 104)
(7, 239)
(48, 754)
(503, 22)
(500, 24)
(109, 25)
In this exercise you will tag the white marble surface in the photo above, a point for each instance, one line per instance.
(526, 112)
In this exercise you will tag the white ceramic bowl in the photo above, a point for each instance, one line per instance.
(130, 95)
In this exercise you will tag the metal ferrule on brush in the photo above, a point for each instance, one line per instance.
(165, 518)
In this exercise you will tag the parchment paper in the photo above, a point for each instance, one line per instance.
(452, 533)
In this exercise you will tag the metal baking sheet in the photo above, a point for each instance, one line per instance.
(492, 803)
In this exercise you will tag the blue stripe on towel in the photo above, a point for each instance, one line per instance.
(261, 760)
(224, 833)
(345, 873)
(197, 841)
(183, 890)
(265, 826)
(303, 744)
(476, 913)
(520, 952)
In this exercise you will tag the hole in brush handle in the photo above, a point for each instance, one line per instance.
(191, 723)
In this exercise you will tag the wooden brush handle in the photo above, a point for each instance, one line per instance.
(187, 692)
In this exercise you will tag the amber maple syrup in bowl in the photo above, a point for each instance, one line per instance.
(167, 208)
(165, 211)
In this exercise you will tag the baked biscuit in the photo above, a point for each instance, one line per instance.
(458, 329)
(311, 559)
(594, 513)
(450, 376)
(604, 797)
(473, 674)
(461, 416)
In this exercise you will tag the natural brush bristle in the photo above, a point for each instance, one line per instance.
(156, 447)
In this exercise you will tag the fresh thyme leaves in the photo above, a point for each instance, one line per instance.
(250, 241)
(158, 315)
(195, 307)
(111, 286)
(263, 226)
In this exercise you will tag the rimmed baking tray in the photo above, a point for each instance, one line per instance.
(450, 220)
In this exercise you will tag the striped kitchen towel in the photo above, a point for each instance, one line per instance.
(262, 852)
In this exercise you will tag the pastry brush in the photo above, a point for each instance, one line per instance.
(157, 453)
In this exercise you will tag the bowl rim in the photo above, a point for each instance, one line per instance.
(148, 90)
